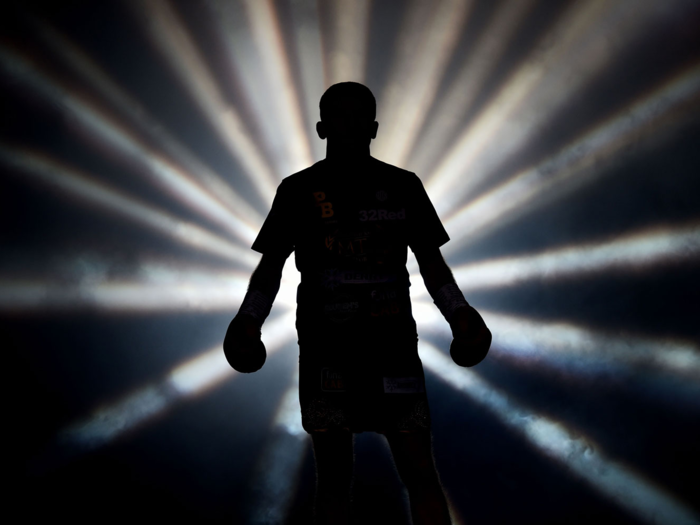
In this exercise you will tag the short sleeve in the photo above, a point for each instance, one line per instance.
(276, 234)
(426, 230)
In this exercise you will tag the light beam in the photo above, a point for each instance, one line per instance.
(100, 128)
(427, 39)
(244, 216)
(86, 189)
(577, 163)
(166, 31)
(578, 453)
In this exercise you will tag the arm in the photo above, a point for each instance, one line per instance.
(472, 339)
(243, 347)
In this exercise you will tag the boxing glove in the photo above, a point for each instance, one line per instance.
(243, 348)
(472, 338)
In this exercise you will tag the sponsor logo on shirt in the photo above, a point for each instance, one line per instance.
(334, 278)
(382, 195)
(326, 207)
(345, 244)
(382, 215)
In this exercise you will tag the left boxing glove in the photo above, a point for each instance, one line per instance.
(243, 348)
(472, 338)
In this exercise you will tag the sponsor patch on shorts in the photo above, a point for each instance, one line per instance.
(403, 385)
(332, 380)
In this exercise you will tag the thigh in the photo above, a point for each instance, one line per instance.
(334, 453)
(413, 454)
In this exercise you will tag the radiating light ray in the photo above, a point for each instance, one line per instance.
(346, 49)
(572, 348)
(252, 41)
(633, 251)
(569, 168)
(106, 132)
(629, 22)
(189, 379)
(99, 80)
(276, 473)
(578, 453)
(427, 39)
(442, 183)
(267, 34)
(87, 189)
(309, 54)
(156, 288)
(165, 29)
(446, 114)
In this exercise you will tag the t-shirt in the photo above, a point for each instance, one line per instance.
(350, 229)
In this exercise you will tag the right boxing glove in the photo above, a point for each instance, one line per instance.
(472, 338)
(243, 348)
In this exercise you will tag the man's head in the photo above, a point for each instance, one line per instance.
(348, 110)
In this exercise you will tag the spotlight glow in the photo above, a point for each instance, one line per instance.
(635, 251)
(276, 473)
(442, 183)
(309, 54)
(446, 114)
(346, 48)
(101, 129)
(165, 29)
(86, 189)
(156, 288)
(563, 171)
(578, 453)
(571, 348)
(427, 39)
(245, 218)
(253, 43)
(194, 377)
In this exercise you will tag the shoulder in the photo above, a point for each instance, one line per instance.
(301, 178)
(395, 175)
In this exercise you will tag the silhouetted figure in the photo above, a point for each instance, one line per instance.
(350, 219)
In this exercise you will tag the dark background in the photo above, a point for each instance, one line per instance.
(194, 462)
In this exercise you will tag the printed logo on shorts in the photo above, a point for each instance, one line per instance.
(403, 385)
(332, 380)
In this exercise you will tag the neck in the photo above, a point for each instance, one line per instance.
(347, 153)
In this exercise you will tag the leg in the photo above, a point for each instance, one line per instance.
(413, 457)
(333, 451)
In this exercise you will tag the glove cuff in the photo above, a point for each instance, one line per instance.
(448, 299)
(257, 305)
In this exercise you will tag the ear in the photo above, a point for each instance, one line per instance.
(375, 126)
(321, 130)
